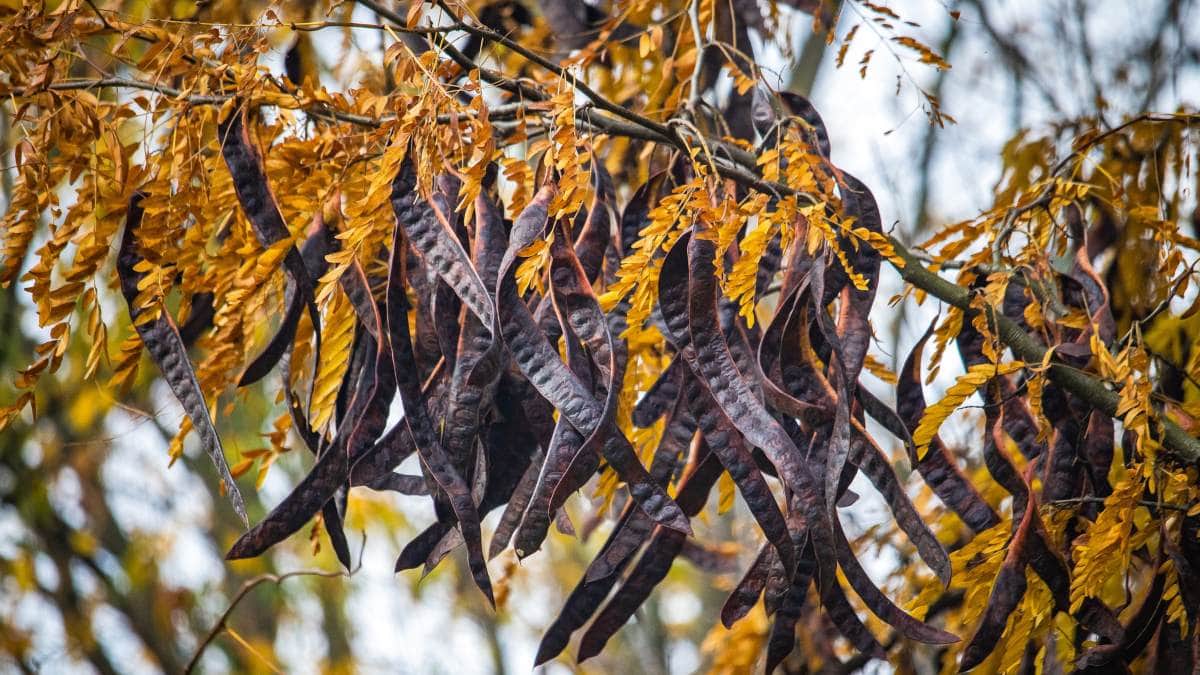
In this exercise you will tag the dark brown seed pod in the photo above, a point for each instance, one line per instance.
(635, 214)
(411, 216)
(708, 356)
(477, 365)
(584, 599)
(518, 501)
(591, 241)
(938, 467)
(842, 614)
(535, 524)
(714, 365)
(853, 326)
(167, 349)
(748, 590)
(879, 604)
(245, 163)
(363, 423)
(677, 439)
(719, 433)
(199, 318)
(782, 639)
(1007, 591)
(550, 376)
(581, 318)
(655, 562)
(874, 464)
(1097, 451)
(427, 225)
(837, 450)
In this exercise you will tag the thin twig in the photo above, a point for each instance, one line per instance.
(1075, 501)
(99, 15)
(250, 584)
(698, 36)
(600, 101)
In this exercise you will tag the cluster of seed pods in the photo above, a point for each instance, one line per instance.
(500, 419)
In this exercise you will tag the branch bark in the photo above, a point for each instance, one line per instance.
(1027, 348)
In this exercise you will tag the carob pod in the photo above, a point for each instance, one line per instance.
(652, 567)
(359, 427)
(245, 164)
(167, 349)
(537, 359)
(938, 467)
(719, 433)
(412, 214)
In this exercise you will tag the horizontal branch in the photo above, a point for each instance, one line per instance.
(506, 111)
(1090, 388)
(1093, 499)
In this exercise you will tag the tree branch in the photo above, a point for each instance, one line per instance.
(1076, 501)
(1091, 389)
(255, 582)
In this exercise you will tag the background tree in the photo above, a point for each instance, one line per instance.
(546, 247)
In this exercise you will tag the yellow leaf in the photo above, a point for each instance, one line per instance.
(966, 385)
(727, 490)
(241, 467)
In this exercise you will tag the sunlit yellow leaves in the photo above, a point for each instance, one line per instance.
(125, 367)
(740, 283)
(1130, 369)
(1176, 611)
(879, 242)
(1102, 554)
(152, 288)
(943, 334)
(175, 446)
(846, 41)
(637, 277)
(20, 217)
(366, 195)
(962, 388)
(237, 470)
(535, 260)
(647, 43)
(97, 330)
(566, 153)
(1028, 624)
(9, 412)
(337, 339)
(877, 368)
(824, 227)
(974, 566)
(271, 259)
(726, 493)
(518, 174)
(736, 650)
